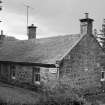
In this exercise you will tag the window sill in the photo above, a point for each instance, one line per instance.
(13, 78)
(102, 80)
(37, 82)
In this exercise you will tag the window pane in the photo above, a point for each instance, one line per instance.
(36, 74)
(12, 67)
(37, 77)
(37, 70)
(102, 75)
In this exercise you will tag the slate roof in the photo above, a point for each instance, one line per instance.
(44, 50)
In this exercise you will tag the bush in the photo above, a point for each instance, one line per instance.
(60, 99)
(61, 95)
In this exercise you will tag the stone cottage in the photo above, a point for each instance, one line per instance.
(73, 59)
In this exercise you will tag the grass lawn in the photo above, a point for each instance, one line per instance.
(18, 96)
(11, 94)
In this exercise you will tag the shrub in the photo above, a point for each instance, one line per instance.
(61, 95)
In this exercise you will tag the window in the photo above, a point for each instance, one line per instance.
(37, 77)
(102, 75)
(13, 74)
(36, 74)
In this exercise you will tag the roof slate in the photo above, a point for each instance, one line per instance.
(44, 50)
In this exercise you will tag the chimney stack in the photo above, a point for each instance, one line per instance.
(86, 25)
(32, 32)
(2, 36)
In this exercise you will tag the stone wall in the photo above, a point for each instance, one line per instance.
(49, 77)
(5, 71)
(81, 69)
(24, 74)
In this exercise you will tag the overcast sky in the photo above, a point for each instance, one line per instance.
(52, 17)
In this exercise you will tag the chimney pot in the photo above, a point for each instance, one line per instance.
(32, 25)
(86, 15)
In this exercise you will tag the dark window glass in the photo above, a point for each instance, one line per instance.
(103, 75)
(37, 70)
(13, 70)
(36, 74)
(37, 77)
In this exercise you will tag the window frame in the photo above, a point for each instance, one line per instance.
(13, 71)
(102, 75)
(36, 71)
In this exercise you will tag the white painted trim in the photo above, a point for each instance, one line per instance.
(102, 80)
(13, 77)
